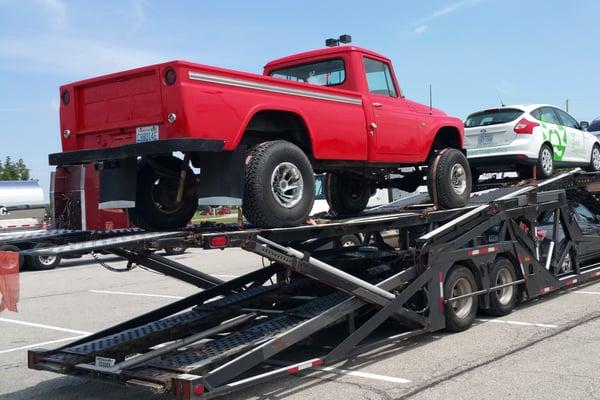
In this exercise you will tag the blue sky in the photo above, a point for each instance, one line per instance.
(471, 51)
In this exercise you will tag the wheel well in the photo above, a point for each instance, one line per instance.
(446, 137)
(274, 124)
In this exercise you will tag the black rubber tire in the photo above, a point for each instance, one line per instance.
(175, 251)
(10, 247)
(38, 264)
(454, 322)
(499, 306)
(147, 214)
(447, 197)
(347, 194)
(349, 240)
(590, 167)
(541, 174)
(260, 206)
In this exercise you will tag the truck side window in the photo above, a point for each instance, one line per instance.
(379, 78)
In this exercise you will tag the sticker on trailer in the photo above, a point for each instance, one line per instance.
(146, 134)
(105, 362)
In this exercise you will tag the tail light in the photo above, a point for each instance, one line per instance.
(525, 126)
(216, 242)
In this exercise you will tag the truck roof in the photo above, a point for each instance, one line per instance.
(319, 53)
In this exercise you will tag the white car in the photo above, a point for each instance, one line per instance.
(514, 138)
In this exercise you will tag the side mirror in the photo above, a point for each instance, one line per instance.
(584, 125)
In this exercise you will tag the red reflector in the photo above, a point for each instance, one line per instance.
(525, 126)
(294, 370)
(218, 241)
(316, 363)
(198, 390)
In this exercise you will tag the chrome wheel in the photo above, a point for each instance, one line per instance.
(287, 185)
(458, 179)
(547, 163)
(462, 307)
(596, 158)
(47, 260)
(504, 294)
(567, 265)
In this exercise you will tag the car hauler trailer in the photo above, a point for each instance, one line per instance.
(325, 302)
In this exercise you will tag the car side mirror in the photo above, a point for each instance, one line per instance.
(584, 125)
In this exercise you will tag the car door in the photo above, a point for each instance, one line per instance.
(396, 126)
(576, 146)
(553, 131)
(589, 224)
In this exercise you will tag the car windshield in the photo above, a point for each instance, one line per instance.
(322, 73)
(492, 117)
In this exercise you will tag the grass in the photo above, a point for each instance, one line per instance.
(214, 218)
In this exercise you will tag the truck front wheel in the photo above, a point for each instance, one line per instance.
(449, 179)
(279, 188)
(347, 194)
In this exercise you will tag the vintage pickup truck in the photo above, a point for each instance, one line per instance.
(165, 134)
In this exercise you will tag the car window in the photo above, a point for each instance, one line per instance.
(594, 126)
(492, 117)
(379, 77)
(322, 73)
(546, 114)
(566, 119)
(582, 213)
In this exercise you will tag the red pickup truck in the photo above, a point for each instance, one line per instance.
(164, 135)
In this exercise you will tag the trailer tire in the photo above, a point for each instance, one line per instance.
(43, 263)
(347, 194)
(175, 251)
(279, 187)
(453, 181)
(502, 301)
(349, 241)
(460, 314)
(156, 205)
(10, 247)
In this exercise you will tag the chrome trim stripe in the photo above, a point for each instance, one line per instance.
(197, 76)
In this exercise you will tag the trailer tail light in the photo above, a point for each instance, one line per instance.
(170, 76)
(525, 126)
(198, 390)
(65, 96)
(216, 242)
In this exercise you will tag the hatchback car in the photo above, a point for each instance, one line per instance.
(517, 137)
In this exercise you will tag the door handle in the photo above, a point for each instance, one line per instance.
(378, 105)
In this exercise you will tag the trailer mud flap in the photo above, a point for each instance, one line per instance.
(118, 184)
(9, 280)
(221, 174)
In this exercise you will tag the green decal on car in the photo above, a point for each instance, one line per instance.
(559, 144)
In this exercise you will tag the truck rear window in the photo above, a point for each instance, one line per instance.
(322, 73)
(492, 117)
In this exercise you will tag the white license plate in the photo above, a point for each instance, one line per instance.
(104, 362)
(146, 134)
(485, 140)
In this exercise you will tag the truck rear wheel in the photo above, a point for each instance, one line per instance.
(449, 176)
(503, 300)
(156, 205)
(279, 188)
(460, 313)
(42, 263)
(347, 194)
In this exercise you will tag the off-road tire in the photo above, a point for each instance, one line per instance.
(260, 205)
(347, 194)
(454, 321)
(147, 214)
(502, 301)
(594, 167)
(541, 173)
(442, 164)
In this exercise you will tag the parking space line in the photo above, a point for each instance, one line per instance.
(51, 327)
(29, 346)
(366, 375)
(503, 321)
(136, 294)
(585, 292)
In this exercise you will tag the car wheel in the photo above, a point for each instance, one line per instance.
(156, 205)
(175, 251)
(279, 187)
(545, 163)
(460, 313)
(450, 172)
(349, 241)
(503, 300)
(347, 194)
(594, 160)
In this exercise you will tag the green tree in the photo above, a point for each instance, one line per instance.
(13, 171)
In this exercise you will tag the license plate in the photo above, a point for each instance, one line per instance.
(486, 140)
(146, 134)
(105, 362)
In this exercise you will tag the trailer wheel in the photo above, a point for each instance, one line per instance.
(175, 251)
(347, 194)
(452, 175)
(460, 313)
(279, 187)
(349, 241)
(502, 301)
(10, 247)
(42, 263)
(156, 205)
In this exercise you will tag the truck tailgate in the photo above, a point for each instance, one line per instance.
(124, 100)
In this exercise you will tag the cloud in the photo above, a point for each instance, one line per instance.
(420, 29)
(419, 26)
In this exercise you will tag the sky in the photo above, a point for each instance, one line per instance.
(472, 52)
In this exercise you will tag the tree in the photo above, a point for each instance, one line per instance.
(13, 171)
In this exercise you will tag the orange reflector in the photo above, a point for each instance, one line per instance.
(218, 241)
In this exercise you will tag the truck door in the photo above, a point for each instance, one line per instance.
(396, 131)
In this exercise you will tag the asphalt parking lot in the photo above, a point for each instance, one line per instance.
(544, 350)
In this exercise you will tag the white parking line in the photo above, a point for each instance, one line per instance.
(585, 292)
(29, 346)
(51, 327)
(503, 321)
(225, 276)
(136, 294)
(366, 375)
